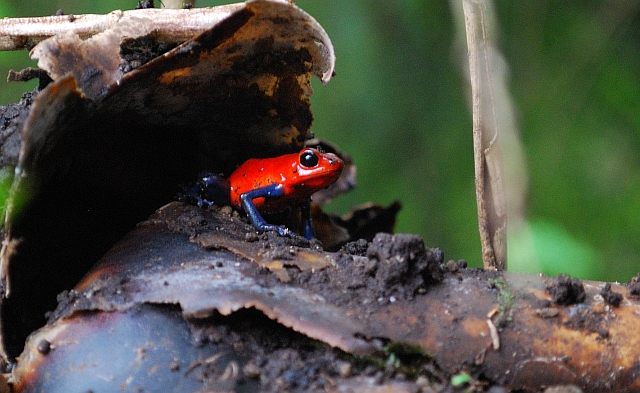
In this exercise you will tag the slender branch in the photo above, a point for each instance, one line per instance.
(489, 178)
(172, 25)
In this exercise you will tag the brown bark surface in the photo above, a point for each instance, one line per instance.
(505, 329)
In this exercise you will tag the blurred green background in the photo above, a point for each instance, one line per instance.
(399, 105)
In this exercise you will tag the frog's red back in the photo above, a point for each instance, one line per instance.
(300, 174)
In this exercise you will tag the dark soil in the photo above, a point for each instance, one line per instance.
(567, 290)
(395, 267)
(570, 292)
(634, 285)
(281, 360)
(611, 297)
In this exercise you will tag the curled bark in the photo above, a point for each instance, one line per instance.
(519, 331)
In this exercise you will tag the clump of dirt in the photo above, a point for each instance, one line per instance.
(388, 269)
(403, 264)
(455, 266)
(358, 247)
(634, 286)
(567, 290)
(611, 297)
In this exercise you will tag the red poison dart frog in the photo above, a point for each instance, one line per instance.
(271, 185)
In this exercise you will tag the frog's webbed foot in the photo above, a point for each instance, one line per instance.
(281, 230)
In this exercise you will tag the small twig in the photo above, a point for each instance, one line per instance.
(172, 25)
(489, 178)
(493, 331)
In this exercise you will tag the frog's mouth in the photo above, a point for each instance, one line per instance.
(325, 174)
(323, 179)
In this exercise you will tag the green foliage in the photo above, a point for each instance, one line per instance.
(460, 379)
(6, 178)
(399, 105)
(5, 9)
(547, 247)
(399, 357)
(505, 301)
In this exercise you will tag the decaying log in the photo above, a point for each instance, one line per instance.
(503, 328)
(118, 139)
(194, 299)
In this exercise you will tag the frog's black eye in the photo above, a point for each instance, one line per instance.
(308, 159)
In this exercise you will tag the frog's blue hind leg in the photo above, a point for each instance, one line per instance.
(209, 190)
(213, 189)
(270, 191)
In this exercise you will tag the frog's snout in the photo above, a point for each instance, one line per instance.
(334, 160)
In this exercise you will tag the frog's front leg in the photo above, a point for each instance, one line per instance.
(270, 191)
(307, 226)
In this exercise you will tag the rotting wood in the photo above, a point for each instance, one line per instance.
(593, 344)
(238, 90)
